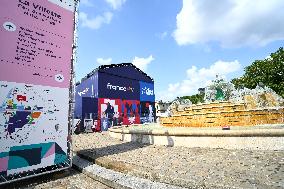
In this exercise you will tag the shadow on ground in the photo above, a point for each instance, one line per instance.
(137, 141)
(94, 153)
(102, 155)
(34, 181)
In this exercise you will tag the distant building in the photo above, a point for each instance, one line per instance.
(115, 94)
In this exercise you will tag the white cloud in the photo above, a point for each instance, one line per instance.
(173, 87)
(99, 20)
(142, 63)
(102, 61)
(115, 4)
(86, 3)
(196, 78)
(233, 23)
(95, 23)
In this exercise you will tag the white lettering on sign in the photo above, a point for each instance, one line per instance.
(83, 92)
(147, 91)
(117, 87)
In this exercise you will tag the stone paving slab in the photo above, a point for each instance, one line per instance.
(116, 179)
(185, 167)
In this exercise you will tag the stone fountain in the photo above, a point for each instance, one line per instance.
(226, 106)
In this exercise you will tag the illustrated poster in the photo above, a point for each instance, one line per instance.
(36, 40)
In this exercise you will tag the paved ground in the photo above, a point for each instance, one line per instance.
(180, 166)
(187, 167)
(70, 179)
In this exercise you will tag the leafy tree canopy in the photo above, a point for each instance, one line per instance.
(197, 98)
(269, 72)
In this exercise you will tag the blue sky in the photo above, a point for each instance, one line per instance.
(182, 44)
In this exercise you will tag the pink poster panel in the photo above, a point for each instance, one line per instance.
(36, 42)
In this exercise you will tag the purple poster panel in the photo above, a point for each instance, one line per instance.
(36, 38)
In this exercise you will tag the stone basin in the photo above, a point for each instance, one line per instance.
(262, 137)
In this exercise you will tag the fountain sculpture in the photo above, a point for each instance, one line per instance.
(226, 106)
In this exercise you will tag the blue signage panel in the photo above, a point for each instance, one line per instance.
(147, 91)
(87, 88)
(116, 87)
(89, 108)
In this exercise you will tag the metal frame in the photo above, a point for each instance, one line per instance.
(72, 79)
(31, 174)
(65, 165)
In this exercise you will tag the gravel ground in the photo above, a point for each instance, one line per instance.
(186, 167)
(70, 179)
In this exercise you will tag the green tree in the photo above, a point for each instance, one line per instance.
(269, 71)
(194, 98)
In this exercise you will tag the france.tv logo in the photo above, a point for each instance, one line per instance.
(120, 88)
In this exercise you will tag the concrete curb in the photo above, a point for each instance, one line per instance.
(115, 179)
(262, 139)
(147, 175)
(201, 133)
